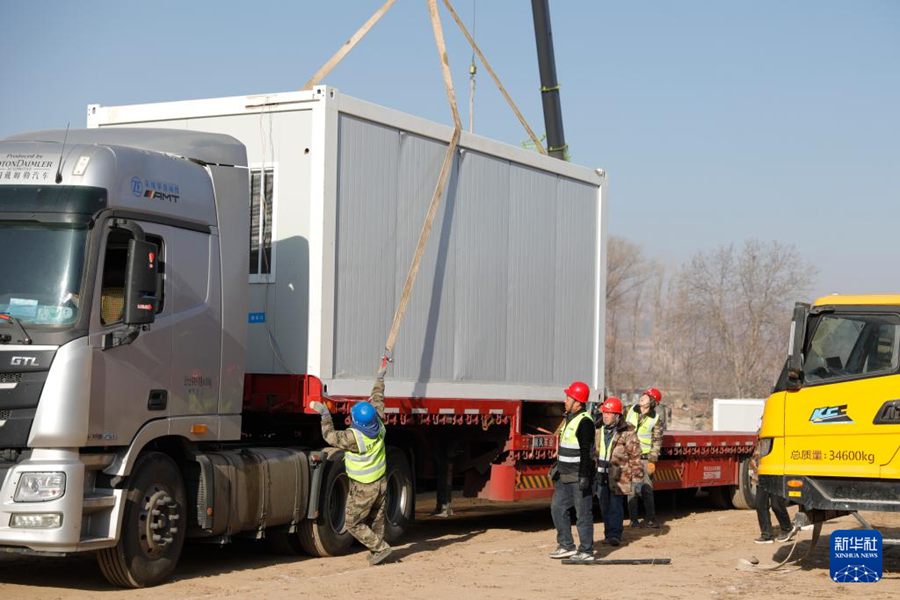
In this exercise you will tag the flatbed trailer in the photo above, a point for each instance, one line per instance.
(715, 461)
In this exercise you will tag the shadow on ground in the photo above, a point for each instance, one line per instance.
(80, 572)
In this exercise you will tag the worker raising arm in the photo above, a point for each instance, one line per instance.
(645, 417)
(365, 459)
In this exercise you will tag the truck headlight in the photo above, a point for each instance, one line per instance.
(765, 446)
(40, 487)
(36, 521)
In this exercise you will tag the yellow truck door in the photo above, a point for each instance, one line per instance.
(849, 373)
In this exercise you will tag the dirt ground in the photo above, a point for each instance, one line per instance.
(488, 552)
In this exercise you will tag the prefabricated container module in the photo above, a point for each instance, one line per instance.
(509, 301)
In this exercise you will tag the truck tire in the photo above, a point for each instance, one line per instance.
(744, 494)
(326, 535)
(400, 504)
(153, 525)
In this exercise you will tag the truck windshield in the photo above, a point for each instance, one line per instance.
(41, 266)
(852, 346)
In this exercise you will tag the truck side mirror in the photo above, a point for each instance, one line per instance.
(795, 348)
(141, 282)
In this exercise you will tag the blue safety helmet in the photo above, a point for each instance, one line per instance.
(364, 419)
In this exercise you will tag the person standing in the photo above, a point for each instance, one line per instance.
(765, 500)
(648, 424)
(619, 467)
(365, 459)
(572, 476)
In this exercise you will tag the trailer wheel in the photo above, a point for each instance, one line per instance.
(744, 494)
(153, 526)
(326, 535)
(398, 513)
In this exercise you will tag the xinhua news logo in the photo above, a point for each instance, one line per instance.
(856, 556)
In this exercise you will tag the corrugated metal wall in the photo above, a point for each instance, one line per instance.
(505, 291)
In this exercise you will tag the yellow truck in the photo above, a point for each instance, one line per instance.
(830, 436)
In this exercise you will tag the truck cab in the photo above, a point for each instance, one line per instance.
(121, 322)
(830, 437)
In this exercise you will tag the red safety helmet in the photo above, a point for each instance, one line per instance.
(611, 405)
(655, 394)
(578, 391)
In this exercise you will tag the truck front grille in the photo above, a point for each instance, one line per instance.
(10, 377)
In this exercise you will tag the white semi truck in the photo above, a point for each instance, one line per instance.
(180, 280)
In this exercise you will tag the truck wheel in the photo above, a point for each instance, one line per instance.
(744, 494)
(398, 513)
(153, 525)
(326, 536)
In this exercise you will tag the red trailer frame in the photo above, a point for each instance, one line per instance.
(689, 459)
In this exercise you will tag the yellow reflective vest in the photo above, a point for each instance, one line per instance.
(568, 453)
(644, 429)
(371, 464)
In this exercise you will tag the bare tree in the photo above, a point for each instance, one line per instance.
(729, 314)
(628, 273)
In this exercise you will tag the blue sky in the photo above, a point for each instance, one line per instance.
(716, 121)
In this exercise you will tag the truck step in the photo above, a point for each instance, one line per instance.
(97, 502)
(95, 543)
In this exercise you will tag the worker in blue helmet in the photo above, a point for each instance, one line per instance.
(365, 459)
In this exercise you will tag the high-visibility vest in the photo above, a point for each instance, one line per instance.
(604, 452)
(370, 464)
(568, 453)
(644, 426)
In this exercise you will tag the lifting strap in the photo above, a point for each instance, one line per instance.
(439, 188)
(447, 164)
(348, 45)
(490, 70)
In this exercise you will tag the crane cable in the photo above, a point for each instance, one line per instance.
(490, 70)
(473, 70)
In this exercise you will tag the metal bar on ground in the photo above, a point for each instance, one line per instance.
(620, 561)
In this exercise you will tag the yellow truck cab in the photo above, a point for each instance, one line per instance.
(830, 435)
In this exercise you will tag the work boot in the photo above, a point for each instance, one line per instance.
(764, 539)
(651, 524)
(561, 552)
(379, 557)
(443, 511)
(612, 541)
(634, 523)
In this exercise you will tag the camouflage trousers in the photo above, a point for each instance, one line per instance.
(364, 515)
